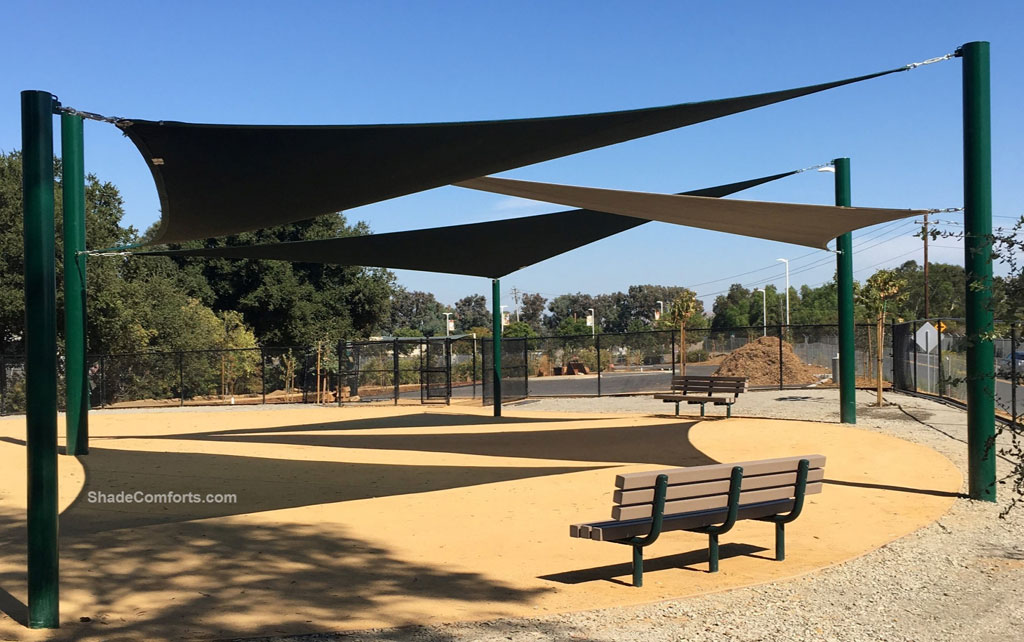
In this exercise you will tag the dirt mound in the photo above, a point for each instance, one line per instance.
(758, 361)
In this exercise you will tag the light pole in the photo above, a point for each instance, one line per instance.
(661, 313)
(593, 322)
(503, 315)
(447, 324)
(786, 261)
(764, 311)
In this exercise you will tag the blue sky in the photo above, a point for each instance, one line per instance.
(379, 62)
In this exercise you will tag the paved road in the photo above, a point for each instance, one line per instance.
(927, 381)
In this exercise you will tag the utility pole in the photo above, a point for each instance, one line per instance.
(927, 308)
(515, 297)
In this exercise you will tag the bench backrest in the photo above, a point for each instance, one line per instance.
(707, 487)
(709, 385)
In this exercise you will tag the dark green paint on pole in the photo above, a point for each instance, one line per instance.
(844, 283)
(37, 109)
(76, 393)
(981, 447)
(496, 343)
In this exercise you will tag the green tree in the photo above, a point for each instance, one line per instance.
(419, 311)
(572, 327)
(532, 311)
(293, 303)
(883, 289)
(471, 311)
(519, 329)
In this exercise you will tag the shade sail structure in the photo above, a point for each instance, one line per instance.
(492, 249)
(216, 180)
(809, 225)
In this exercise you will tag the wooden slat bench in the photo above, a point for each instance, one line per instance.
(706, 499)
(704, 390)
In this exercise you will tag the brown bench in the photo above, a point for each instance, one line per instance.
(704, 390)
(706, 499)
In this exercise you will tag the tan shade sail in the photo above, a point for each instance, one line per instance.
(492, 249)
(808, 225)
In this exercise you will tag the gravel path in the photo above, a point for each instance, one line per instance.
(958, 579)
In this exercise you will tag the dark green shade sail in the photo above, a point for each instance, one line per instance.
(216, 180)
(491, 249)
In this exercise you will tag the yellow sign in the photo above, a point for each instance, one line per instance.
(941, 326)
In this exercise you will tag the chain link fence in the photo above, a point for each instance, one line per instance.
(437, 370)
(930, 358)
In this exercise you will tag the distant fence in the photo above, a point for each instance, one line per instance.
(930, 358)
(437, 370)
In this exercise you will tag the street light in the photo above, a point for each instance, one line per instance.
(503, 317)
(447, 324)
(764, 311)
(593, 322)
(661, 304)
(786, 261)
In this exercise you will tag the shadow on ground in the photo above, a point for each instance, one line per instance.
(223, 579)
(664, 444)
(257, 484)
(691, 561)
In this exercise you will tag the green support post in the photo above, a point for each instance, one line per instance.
(37, 108)
(844, 282)
(981, 448)
(76, 383)
(496, 343)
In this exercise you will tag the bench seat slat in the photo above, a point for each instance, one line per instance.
(702, 489)
(713, 472)
(696, 399)
(618, 530)
(714, 501)
(710, 386)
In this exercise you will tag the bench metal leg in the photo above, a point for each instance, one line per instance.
(702, 410)
(728, 410)
(712, 552)
(780, 541)
(638, 566)
(677, 409)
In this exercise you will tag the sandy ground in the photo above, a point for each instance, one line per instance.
(359, 517)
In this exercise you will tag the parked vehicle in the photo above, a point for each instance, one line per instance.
(1005, 367)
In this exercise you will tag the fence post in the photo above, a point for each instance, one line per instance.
(103, 381)
(892, 347)
(181, 379)
(780, 358)
(913, 340)
(1013, 372)
(473, 375)
(263, 374)
(597, 347)
(938, 370)
(305, 369)
(3, 386)
(341, 349)
(394, 353)
(672, 339)
(448, 371)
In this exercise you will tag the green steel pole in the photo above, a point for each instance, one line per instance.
(37, 109)
(496, 343)
(76, 383)
(844, 283)
(981, 471)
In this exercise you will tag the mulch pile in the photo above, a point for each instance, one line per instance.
(758, 361)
